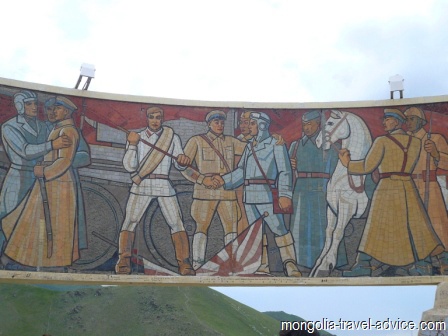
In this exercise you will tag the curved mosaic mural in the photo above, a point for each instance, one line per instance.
(97, 185)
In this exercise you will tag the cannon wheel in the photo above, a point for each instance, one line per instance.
(105, 217)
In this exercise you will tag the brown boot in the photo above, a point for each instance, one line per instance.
(182, 249)
(125, 242)
(285, 245)
(264, 266)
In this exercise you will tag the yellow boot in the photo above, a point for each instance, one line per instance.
(285, 245)
(125, 242)
(264, 266)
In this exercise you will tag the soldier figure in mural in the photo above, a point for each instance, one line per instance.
(398, 231)
(149, 167)
(244, 127)
(81, 159)
(42, 230)
(245, 137)
(25, 142)
(263, 165)
(433, 155)
(313, 167)
(212, 153)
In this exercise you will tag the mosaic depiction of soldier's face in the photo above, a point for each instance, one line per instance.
(311, 127)
(390, 124)
(31, 108)
(244, 126)
(253, 127)
(155, 120)
(217, 126)
(49, 112)
(413, 123)
(60, 113)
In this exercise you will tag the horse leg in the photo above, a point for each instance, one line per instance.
(320, 264)
(346, 210)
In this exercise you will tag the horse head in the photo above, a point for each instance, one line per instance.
(336, 127)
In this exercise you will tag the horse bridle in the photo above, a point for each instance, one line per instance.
(337, 125)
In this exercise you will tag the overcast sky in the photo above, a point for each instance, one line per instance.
(243, 50)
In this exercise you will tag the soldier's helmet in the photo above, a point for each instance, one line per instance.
(22, 97)
(415, 111)
(263, 120)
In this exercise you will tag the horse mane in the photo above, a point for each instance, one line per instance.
(360, 138)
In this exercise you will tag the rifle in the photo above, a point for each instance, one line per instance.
(47, 214)
(428, 166)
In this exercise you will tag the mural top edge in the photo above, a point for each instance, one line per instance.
(229, 104)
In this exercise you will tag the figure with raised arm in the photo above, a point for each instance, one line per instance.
(149, 167)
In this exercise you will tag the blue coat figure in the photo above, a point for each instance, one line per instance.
(25, 142)
(313, 167)
(258, 199)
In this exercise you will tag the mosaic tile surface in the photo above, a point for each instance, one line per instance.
(105, 186)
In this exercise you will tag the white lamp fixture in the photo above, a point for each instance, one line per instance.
(396, 84)
(87, 70)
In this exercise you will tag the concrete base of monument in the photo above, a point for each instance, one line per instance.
(439, 313)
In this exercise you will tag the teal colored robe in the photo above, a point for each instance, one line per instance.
(309, 220)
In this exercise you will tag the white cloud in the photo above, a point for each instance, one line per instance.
(235, 50)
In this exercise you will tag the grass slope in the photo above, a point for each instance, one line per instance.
(33, 310)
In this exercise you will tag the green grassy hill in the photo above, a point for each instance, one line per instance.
(94, 310)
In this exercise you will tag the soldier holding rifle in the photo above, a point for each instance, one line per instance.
(433, 154)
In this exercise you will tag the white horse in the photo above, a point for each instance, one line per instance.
(346, 196)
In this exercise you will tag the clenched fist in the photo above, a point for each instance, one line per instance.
(183, 160)
(133, 138)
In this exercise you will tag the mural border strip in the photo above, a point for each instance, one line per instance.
(145, 280)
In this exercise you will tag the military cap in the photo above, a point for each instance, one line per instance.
(50, 102)
(311, 115)
(67, 103)
(245, 115)
(215, 114)
(415, 111)
(395, 113)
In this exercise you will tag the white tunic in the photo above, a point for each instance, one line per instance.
(135, 155)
